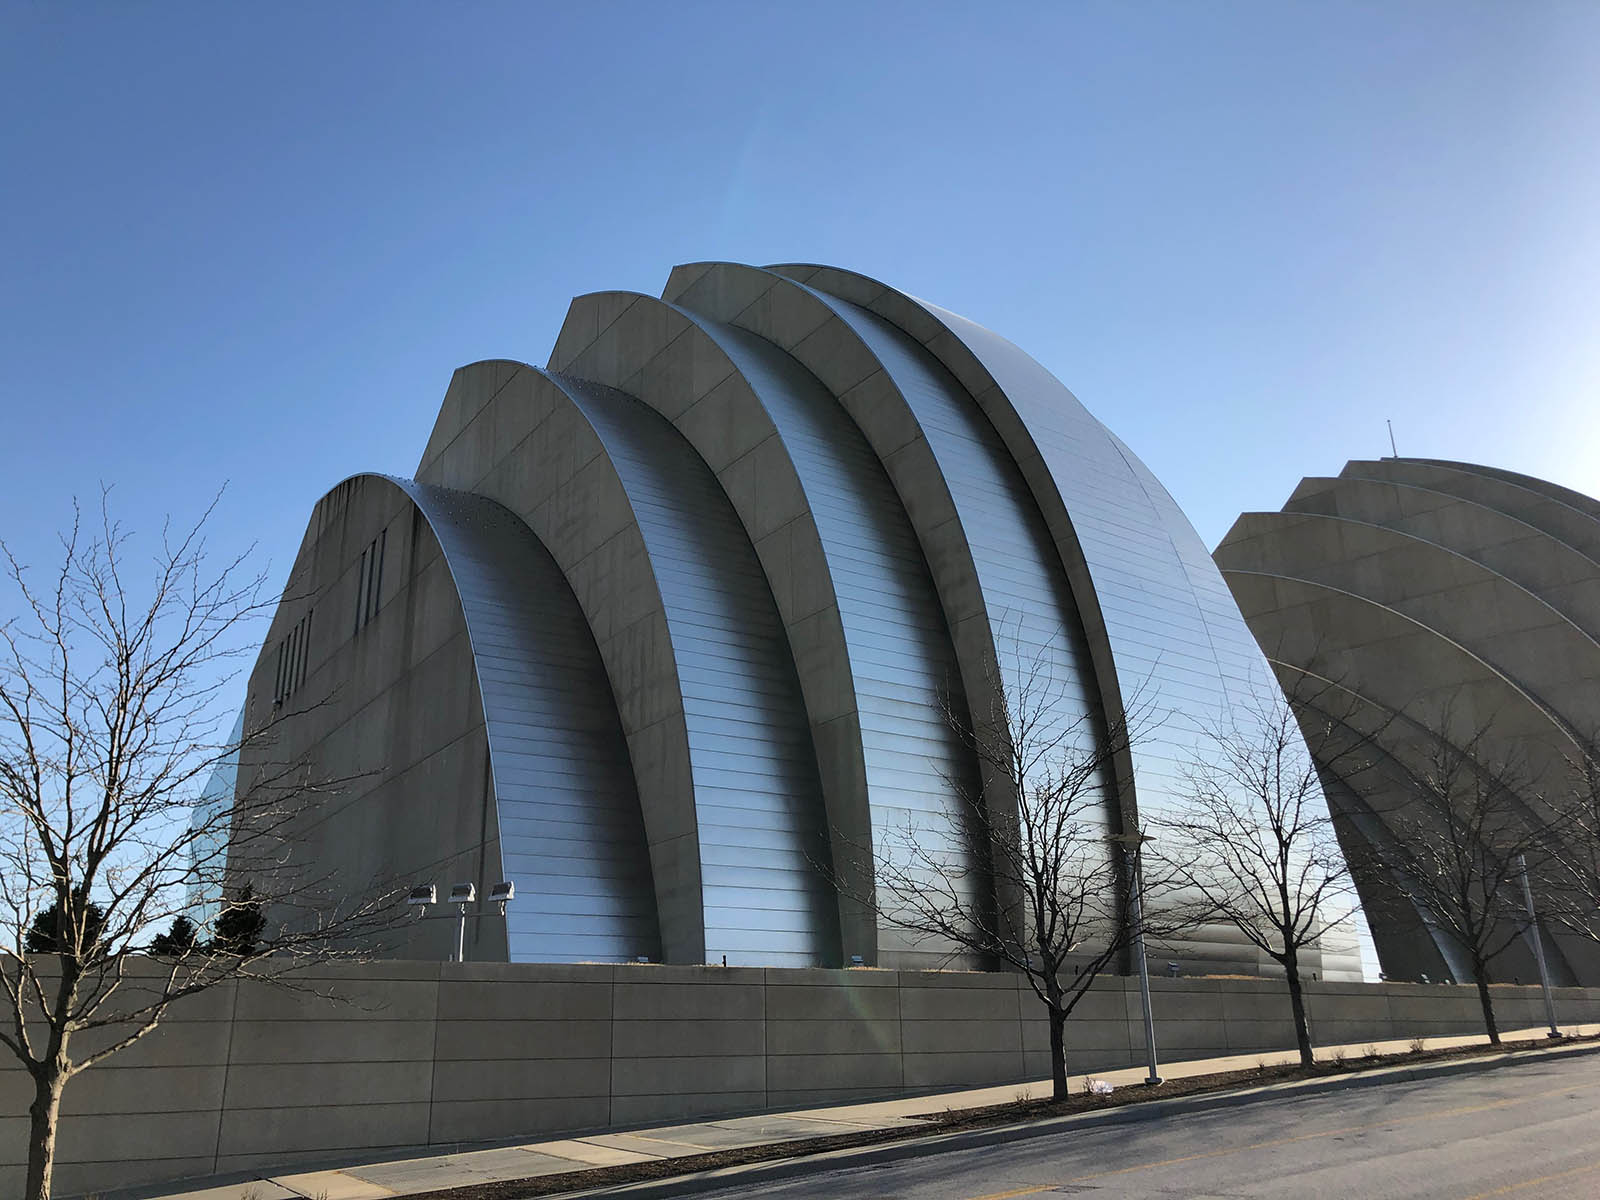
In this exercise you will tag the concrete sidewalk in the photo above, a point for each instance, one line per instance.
(376, 1180)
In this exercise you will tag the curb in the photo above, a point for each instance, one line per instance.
(1131, 1114)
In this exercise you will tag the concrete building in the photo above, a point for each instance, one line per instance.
(1434, 598)
(665, 631)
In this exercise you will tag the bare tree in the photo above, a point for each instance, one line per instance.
(1459, 840)
(1571, 863)
(110, 691)
(1253, 836)
(1038, 889)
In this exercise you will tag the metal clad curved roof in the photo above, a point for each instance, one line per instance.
(571, 837)
(900, 658)
(1159, 633)
(1038, 637)
(794, 514)
(762, 827)
(1175, 637)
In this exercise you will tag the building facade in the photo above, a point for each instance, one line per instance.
(666, 631)
(1423, 600)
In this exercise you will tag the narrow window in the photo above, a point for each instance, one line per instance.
(369, 579)
(361, 592)
(305, 647)
(377, 570)
(289, 654)
(294, 653)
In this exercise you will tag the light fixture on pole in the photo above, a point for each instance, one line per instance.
(421, 897)
(1132, 845)
(501, 894)
(1538, 947)
(462, 895)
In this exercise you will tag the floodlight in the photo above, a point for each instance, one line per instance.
(501, 892)
(463, 893)
(421, 897)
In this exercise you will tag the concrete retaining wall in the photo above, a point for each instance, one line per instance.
(424, 1054)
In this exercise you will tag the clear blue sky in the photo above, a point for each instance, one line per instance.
(248, 244)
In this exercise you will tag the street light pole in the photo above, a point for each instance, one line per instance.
(463, 896)
(1538, 947)
(1132, 844)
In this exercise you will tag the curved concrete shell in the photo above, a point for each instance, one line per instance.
(453, 677)
(875, 660)
(1143, 583)
(805, 529)
(1434, 594)
(688, 632)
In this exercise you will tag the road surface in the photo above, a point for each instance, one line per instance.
(1518, 1131)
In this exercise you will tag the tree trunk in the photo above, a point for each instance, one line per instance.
(1297, 1002)
(1487, 1002)
(42, 1120)
(1058, 1053)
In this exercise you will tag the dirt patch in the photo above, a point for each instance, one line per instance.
(956, 1120)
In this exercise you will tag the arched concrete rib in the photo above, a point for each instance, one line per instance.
(1467, 697)
(1382, 784)
(1510, 629)
(802, 325)
(570, 832)
(1576, 500)
(506, 432)
(758, 799)
(1157, 615)
(904, 412)
(1557, 518)
(1012, 614)
(1563, 577)
(706, 656)
(1397, 650)
(1453, 594)
(1404, 936)
(874, 657)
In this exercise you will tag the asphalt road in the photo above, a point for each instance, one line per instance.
(1518, 1131)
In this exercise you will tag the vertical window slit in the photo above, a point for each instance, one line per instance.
(377, 572)
(361, 588)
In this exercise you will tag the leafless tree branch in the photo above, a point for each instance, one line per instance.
(1024, 874)
(1253, 835)
(111, 690)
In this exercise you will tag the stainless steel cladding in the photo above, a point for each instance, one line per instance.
(1036, 640)
(571, 837)
(1154, 588)
(758, 801)
(755, 550)
(900, 661)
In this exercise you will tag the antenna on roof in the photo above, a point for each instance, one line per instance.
(1392, 450)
